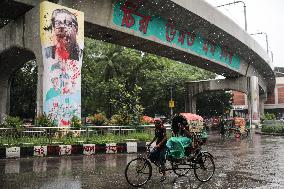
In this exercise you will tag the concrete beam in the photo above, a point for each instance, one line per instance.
(196, 87)
(236, 84)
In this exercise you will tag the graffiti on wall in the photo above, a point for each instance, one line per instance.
(126, 14)
(40, 150)
(62, 40)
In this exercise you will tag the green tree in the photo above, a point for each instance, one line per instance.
(23, 91)
(127, 104)
(215, 103)
(102, 66)
(107, 65)
(159, 76)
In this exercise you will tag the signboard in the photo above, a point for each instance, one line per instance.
(240, 107)
(171, 104)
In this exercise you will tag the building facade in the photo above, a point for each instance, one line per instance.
(273, 104)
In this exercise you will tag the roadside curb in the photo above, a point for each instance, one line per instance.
(273, 134)
(66, 150)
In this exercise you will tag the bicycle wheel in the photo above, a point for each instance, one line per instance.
(180, 168)
(204, 167)
(138, 171)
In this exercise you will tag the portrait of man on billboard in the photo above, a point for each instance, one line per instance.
(64, 29)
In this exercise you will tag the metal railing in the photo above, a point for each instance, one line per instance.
(30, 134)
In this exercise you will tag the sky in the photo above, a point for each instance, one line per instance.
(262, 16)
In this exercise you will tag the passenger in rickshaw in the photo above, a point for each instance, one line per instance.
(180, 128)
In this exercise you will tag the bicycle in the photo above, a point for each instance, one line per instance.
(139, 170)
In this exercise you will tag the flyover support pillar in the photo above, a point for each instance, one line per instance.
(4, 97)
(33, 42)
(192, 104)
(254, 110)
(262, 99)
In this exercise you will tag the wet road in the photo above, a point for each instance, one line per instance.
(255, 162)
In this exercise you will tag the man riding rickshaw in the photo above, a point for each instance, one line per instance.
(183, 152)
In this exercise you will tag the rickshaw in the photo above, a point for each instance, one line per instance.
(183, 153)
(237, 126)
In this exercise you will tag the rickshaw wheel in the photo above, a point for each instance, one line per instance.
(204, 167)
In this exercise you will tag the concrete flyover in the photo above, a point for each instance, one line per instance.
(196, 87)
(189, 31)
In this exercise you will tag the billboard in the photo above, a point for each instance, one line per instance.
(62, 41)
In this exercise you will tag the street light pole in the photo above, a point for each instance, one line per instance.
(245, 11)
(266, 39)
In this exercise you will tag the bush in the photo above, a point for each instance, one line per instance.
(75, 123)
(146, 120)
(267, 116)
(99, 119)
(45, 121)
(273, 129)
(119, 120)
(13, 122)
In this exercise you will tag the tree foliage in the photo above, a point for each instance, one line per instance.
(107, 66)
(268, 116)
(128, 105)
(117, 80)
(215, 103)
(23, 91)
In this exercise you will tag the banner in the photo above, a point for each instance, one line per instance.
(62, 41)
(131, 15)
